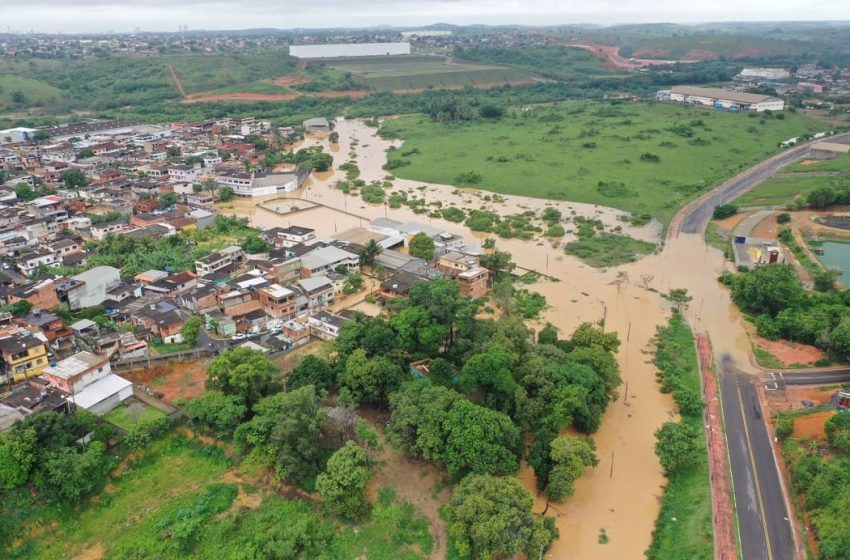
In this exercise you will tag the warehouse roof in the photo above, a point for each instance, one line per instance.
(720, 93)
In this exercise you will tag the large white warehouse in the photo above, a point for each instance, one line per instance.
(722, 99)
(348, 49)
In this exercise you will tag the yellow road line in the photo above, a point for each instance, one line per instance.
(755, 472)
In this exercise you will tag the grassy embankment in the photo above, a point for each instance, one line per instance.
(123, 418)
(684, 529)
(181, 499)
(639, 157)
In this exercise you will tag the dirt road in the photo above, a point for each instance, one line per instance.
(177, 81)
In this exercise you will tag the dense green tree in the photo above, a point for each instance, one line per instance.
(369, 380)
(166, 200)
(20, 308)
(226, 194)
(422, 246)
(245, 373)
(191, 329)
(490, 517)
(724, 211)
(369, 252)
(222, 413)
(442, 372)
(820, 198)
(253, 243)
(73, 178)
(24, 192)
(825, 280)
(343, 484)
(840, 339)
(491, 374)
(416, 334)
(479, 440)
(17, 455)
(311, 370)
(498, 262)
(546, 398)
(548, 334)
(587, 335)
(602, 362)
(838, 432)
(767, 289)
(677, 446)
(570, 457)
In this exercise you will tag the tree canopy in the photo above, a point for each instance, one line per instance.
(245, 373)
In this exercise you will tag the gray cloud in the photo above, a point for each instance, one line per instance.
(165, 15)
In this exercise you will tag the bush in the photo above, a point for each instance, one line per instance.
(783, 218)
(784, 427)
(724, 211)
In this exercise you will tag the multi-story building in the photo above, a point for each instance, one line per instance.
(277, 301)
(23, 356)
(225, 260)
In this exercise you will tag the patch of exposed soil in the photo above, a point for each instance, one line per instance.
(767, 228)
(94, 552)
(812, 425)
(651, 53)
(173, 381)
(790, 353)
(751, 52)
(732, 222)
(416, 482)
(290, 80)
(701, 54)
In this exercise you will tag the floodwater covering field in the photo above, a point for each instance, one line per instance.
(620, 495)
(640, 157)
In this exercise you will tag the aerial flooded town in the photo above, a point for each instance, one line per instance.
(423, 291)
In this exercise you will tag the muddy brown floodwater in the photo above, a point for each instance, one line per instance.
(620, 495)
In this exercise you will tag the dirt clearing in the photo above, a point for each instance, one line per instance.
(812, 425)
(790, 353)
(173, 381)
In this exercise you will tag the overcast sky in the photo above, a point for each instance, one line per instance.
(166, 15)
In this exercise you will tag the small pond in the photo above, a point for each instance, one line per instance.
(836, 255)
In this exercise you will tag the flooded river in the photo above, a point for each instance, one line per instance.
(621, 495)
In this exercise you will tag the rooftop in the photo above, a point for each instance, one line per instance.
(77, 364)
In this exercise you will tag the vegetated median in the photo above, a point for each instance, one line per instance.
(640, 157)
(684, 528)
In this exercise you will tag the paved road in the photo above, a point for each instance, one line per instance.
(814, 376)
(697, 214)
(762, 516)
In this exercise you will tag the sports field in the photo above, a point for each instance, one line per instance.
(415, 72)
(641, 157)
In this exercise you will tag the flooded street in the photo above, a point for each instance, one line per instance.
(621, 495)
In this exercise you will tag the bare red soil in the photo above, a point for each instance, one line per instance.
(812, 426)
(173, 381)
(290, 80)
(790, 353)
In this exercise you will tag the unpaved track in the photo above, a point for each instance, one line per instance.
(177, 81)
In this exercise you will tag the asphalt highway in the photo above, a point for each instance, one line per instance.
(698, 214)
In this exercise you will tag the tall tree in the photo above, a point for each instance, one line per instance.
(244, 372)
(422, 246)
(570, 457)
(343, 484)
(499, 263)
(369, 380)
(490, 517)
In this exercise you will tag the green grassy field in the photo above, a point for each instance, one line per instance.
(172, 503)
(841, 163)
(34, 91)
(391, 73)
(640, 157)
(684, 529)
(123, 417)
(779, 191)
(559, 63)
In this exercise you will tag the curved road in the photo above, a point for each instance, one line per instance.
(762, 513)
(695, 216)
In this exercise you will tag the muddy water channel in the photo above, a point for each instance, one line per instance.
(621, 495)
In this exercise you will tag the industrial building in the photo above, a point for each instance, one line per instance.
(721, 99)
(349, 49)
(829, 150)
(770, 74)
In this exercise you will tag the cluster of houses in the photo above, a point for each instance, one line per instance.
(61, 346)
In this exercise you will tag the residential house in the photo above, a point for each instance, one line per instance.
(23, 356)
(40, 293)
(326, 325)
(289, 236)
(50, 325)
(277, 301)
(319, 292)
(98, 232)
(31, 398)
(398, 285)
(225, 260)
(162, 321)
(454, 263)
(201, 218)
(324, 259)
(30, 262)
(474, 282)
(90, 380)
(88, 288)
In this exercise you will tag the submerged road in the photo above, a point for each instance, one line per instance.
(762, 516)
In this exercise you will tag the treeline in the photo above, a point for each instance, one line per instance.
(781, 307)
(490, 386)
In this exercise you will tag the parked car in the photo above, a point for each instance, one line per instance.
(238, 336)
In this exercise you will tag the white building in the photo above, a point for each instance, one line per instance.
(764, 74)
(90, 381)
(260, 184)
(721, 99)
(88, 288)
(349, 49)
(15, 135)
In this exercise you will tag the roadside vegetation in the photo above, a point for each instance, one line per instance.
(818, 472)
(645, 158)
(684, 527)
(775, 300)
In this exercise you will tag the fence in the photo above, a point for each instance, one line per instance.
(129, 364)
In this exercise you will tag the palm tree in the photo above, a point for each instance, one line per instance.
(369, 252)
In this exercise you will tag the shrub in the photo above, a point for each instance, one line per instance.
(783, 218)
(724, 211)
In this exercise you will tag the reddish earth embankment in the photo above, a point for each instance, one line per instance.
(721, 484)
